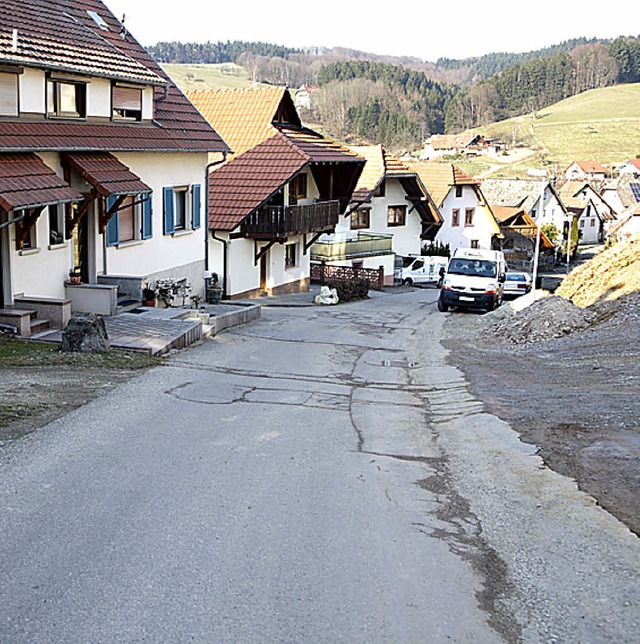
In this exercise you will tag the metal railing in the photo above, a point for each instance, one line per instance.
(366, 245)
(323, 273)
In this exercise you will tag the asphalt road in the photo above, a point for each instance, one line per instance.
(319, 475)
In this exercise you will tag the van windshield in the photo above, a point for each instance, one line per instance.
(478, 267)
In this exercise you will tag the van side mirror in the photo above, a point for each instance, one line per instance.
(442, 271)
(502, 278)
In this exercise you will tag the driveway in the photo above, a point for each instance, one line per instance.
(320, 474)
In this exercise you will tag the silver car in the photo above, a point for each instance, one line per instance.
(517, 283)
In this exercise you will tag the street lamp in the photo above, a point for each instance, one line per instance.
(543, 175)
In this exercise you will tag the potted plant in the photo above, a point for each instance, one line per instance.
(149, 296)
(214, 291)
(75, 275)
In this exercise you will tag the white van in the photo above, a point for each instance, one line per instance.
(423, 270)
(474, 279)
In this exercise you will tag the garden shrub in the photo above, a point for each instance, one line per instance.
(355, 289)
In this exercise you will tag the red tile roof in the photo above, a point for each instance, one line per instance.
(105, 173)
(27, 182)
(248, 181)
(61, 35)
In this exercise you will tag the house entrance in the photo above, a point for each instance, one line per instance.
(263, 272)
(84, 247)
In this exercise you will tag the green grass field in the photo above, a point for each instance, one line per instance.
(194, 77)
(600, 125)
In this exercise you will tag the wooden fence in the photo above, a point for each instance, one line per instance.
(323, 273)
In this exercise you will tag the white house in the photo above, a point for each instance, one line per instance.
(526, 194)
(631, 166)
(439, 145)
(284, 187)
(102, 162)
(593, 213)
(585, 171)
(468, 221)
(391, 214)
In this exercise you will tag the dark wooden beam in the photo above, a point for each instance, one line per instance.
(259, 253)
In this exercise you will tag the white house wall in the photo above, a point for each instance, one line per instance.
(41, 272)
(180, 255)
(461, 236)
(32, 94)
(243, 275)
(99, 97)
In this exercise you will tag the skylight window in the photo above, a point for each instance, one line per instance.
(97, 18)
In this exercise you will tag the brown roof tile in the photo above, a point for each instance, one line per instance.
(105, 173)
(247, 181)
(61, 35)
(439, 178)
(26, 182)
(244, 118)
(380, 164)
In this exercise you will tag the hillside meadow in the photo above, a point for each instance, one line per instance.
(601, 125)
(202, 77)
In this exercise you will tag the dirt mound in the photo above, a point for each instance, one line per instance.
(551, 317)
(608, 276)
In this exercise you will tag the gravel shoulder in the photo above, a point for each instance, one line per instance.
(573, 396)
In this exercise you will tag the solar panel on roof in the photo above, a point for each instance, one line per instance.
(635, 189)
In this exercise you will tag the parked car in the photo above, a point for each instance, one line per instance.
(517, 283)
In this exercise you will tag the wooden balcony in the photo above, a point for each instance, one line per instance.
(279, 222)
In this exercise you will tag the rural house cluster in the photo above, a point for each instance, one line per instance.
(113, 182)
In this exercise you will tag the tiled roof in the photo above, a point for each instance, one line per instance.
(26, 182)
(439, 178)
(590, 167)
(451, 141)
(380, 164)
(105, 173)
(570, 194)
(244, 117)
(61, 35)
(54, 33)
(512, 192)
(247, 181)
(319, 149)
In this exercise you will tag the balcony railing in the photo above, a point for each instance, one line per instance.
(282, 221)
(366, 245)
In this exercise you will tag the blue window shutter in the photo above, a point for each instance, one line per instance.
(147, 217)
(196, 205)
(168, 219)
(113, 225)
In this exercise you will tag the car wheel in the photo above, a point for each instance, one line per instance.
(442, 307)
(408, 282)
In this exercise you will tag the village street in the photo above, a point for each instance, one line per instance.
(319, 475)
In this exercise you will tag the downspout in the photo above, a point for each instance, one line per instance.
(213, 164)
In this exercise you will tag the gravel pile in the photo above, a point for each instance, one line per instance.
(551, 317)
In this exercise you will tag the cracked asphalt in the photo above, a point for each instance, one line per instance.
(321, 475)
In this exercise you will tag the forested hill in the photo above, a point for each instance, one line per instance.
(401, 101)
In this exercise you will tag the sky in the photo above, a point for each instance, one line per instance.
(425, 30)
